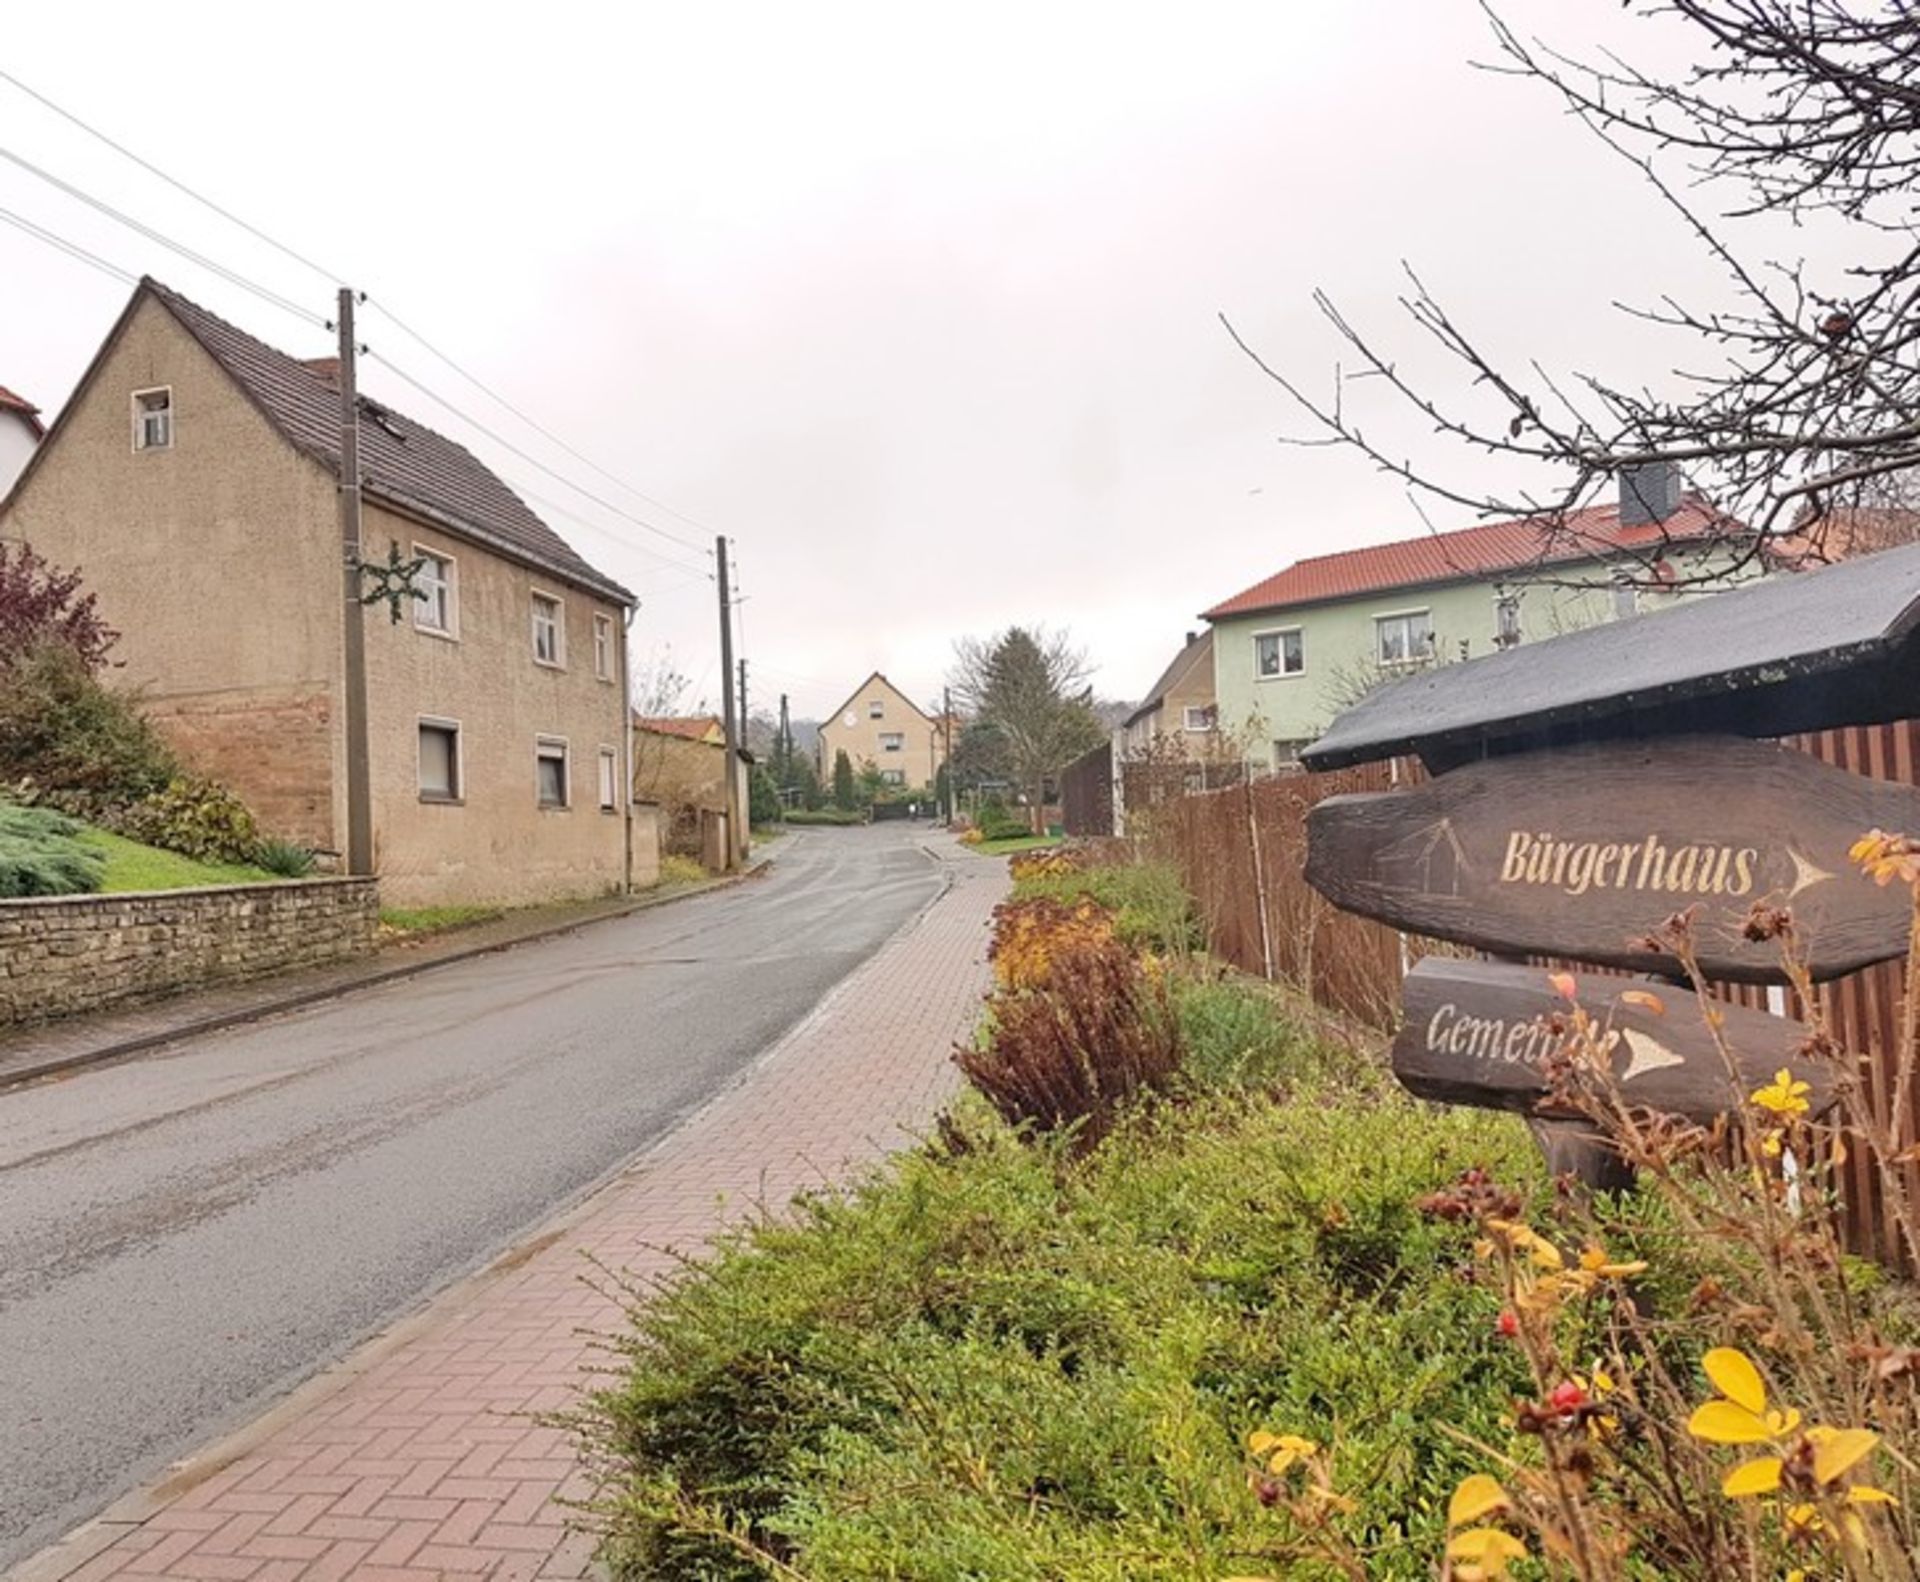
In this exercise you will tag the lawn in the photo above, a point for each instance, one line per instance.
(436, 919)
(131, 866)
(1008, 844)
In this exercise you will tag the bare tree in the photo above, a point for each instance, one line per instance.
(659, 692)
(1810, 394)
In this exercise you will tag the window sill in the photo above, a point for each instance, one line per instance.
(554, 807)
(434, 799)
(549, 664)
(434, 631)
(1285, 675)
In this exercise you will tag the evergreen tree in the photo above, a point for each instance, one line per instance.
(843, 794)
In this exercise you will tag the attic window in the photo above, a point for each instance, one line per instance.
(153, 419)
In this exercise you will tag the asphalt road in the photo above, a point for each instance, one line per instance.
(185, 1237)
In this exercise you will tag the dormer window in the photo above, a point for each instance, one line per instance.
(153, 419)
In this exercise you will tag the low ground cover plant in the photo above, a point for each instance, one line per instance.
(45, 853)
(826, 815)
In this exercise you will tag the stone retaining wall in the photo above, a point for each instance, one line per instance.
(60, 955)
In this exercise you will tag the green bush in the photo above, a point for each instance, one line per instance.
(68, 741)
(825, 815)
(194, 816)
(988, 1363)
(289, 859)
(1152, 907)
(41, 853)
(997, 821)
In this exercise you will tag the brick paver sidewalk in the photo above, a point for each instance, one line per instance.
(419, 1458)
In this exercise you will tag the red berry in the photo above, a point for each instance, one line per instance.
(1507, 1324)
(1567, 1397)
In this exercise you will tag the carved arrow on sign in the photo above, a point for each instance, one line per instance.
(1584, 851)
(1477, 1032)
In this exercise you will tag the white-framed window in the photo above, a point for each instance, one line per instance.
(1404, 638)
(603, 646)
(551, 782)
(1286, 753)
(1626, 597)
(433, 593)
(440, 773)
(894, 777)
(609, 780)
(893, 741)
(1200, 717)
(153, 418)
(876, 708)
(1506, 620)
(1279, 653)
(549, 631)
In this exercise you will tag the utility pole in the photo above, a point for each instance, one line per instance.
(735, 844)
(946, 725)
(745, 730)
(786, 744)
(353, 702)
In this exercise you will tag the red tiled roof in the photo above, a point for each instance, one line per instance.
(9, 402)
(1471, 552)
(694, 729)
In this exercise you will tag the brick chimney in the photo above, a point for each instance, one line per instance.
(1649, 493)
(328, 368)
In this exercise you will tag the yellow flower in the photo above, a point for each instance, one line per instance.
(1480, 1553)
(1783, 1096)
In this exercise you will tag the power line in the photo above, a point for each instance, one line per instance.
(612, 537)
(289, 306)
(233, 276)
(531, 460)
(539, 428)
(179, 186)
(72, 249)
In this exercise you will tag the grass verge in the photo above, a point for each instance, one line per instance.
(132, 866)
(416, 920)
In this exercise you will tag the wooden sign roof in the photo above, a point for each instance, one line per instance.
(1801, 651)
(1585, 851)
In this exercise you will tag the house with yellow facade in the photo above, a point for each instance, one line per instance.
(193, 479)
(880, 725)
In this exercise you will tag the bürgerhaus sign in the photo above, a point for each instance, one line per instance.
(1584, 851)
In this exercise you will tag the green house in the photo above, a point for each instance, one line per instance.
(1292, 651)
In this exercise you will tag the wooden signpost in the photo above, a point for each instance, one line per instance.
(1481, 1033)
(1584, 851)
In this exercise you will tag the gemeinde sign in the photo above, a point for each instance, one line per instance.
(1477, 1032)
(1583, 851)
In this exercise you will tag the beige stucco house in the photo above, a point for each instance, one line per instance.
(679, 766)
(1179, 713)
(880, 725)
(20, 435)
(192, 479)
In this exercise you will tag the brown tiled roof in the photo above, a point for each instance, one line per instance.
(402, 463)
(1472, 552)
(9, 402)
(694, 729)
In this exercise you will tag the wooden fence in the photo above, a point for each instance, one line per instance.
(1242, 850)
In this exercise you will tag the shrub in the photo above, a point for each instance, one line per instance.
(41, 605)
(68, 740)
(41, 854)
(675, 869)
(1030, 936)
(826, 815)
(1070, 1053)
(996, 821)
(977, 1365)
(287, 858)
(194, 816)
(1151, 907)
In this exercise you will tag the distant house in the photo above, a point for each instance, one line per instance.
(880, 725)
(679, 765)
(193, 476)
(20, 435)
(1293, 650)
(1179, 710)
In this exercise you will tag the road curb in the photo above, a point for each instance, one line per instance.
(121, 1049)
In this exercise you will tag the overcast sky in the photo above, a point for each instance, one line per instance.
(917, 305)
